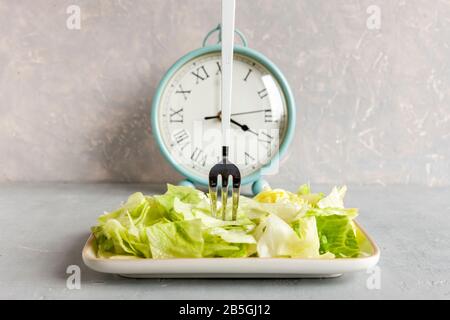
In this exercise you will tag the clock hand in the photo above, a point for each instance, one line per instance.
(249, 112)
(217, 116)
(244, 127)
(237, 114)
(212, 117)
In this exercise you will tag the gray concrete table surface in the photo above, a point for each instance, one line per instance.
(43, 228)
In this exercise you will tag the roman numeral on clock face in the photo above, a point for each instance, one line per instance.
(183, 92)
(176, 115)
(200, 74)
(248, 74)
(182, 138)
(263, 93)
(265, 138)
(199, 157)
(268, 115)
(248, 159)
(219, 68)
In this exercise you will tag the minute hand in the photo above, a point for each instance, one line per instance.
(250, 112)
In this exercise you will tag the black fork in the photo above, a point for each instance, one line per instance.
(225, 170)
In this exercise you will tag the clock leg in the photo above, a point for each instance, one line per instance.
(260, 185)
(186, 183)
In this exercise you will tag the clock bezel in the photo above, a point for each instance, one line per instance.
(244, 51)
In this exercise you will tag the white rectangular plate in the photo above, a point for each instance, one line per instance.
(233, 267)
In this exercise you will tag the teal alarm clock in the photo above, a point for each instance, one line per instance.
(186, 114)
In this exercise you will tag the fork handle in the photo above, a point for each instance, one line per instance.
(227, 30)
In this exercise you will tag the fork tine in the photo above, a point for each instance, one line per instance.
(236, 190)
(213, 197)
(235, 202)
(224, 197)
(213, 194)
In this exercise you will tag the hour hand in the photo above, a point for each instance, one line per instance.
(244, 127)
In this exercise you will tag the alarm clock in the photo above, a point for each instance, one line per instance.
(185, 114)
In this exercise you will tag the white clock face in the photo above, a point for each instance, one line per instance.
(189, 115)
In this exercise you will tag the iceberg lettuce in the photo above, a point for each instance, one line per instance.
(337, 235)
(180, 239)
(276, 238)
(275, 223)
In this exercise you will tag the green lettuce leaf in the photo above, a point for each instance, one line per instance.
(185, 194)
(113, 237)
(233, 235)
(286, 210)
(276, 238)
(337, 235)
(335, 199)
(304, 193)
(180, 239)
(348, 212)
(215, 246)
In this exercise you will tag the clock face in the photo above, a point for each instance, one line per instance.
(189, 115)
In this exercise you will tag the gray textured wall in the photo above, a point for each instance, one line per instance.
(373, 105)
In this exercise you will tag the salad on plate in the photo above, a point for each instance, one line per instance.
(274, 224)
